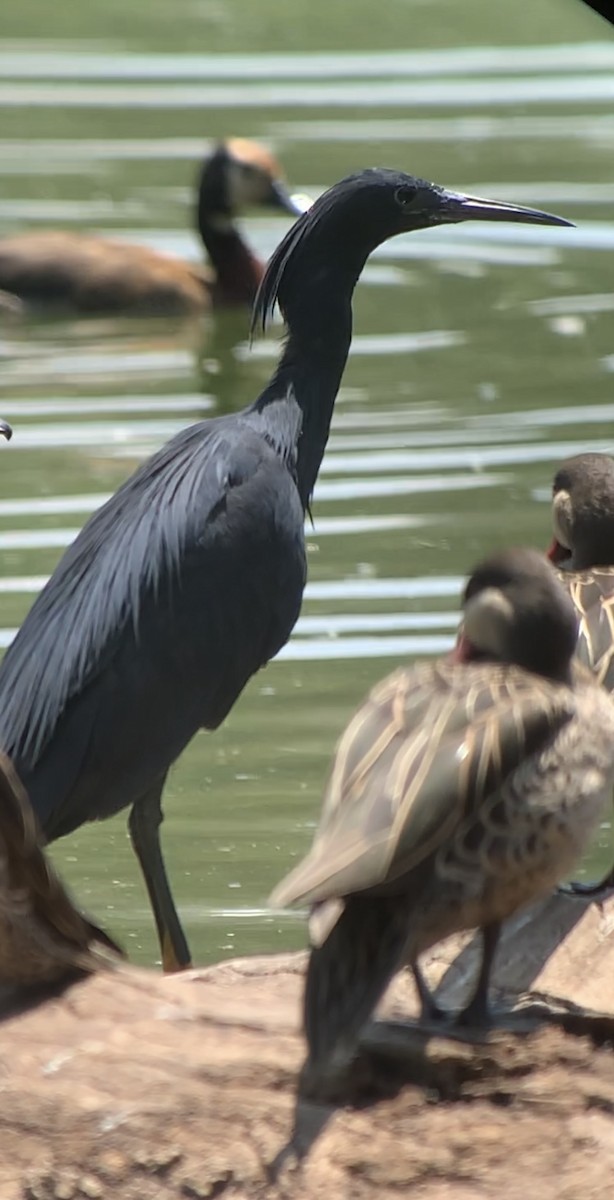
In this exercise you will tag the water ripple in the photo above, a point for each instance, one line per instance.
(468, 60)
(366, 647)
(487, 92)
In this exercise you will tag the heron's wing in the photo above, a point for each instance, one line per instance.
(429, 745)
(130, 550)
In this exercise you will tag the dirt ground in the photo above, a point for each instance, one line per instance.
(136, 1087)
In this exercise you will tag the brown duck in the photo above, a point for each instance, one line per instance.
(461, 790)
(92, 275)
(583, 551)
(43, 938)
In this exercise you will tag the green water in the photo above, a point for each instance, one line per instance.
(482, 356)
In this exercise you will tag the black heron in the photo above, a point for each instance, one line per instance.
(582, 549)
(85, 273)
(460, 791)
(191, 577)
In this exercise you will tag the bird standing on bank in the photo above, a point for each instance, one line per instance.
(461, 790)
(191, 577)
(93, 275)
(583, 551)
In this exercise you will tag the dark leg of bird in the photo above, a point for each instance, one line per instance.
(576, 888)
(348, 974)
(477, 1012)
(144, 824)
(429, 1008)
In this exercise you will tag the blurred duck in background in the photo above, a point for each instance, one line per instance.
(582, 549)
(87, 274)
(43, 937)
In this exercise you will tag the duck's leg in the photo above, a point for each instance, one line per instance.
(477, 1011)
(429, 1008)
(144, 824)
(346, 976)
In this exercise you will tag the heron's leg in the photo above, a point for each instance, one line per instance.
(144, 825)
(477, 1011)
(429, 1008)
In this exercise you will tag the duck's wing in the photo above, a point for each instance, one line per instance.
(592, 594)
(429, 745)
(42, 933)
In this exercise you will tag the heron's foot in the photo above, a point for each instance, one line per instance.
(175, 956)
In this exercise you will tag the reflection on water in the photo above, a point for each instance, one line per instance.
(482, 355)
(491, 60)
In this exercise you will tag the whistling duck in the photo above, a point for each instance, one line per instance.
(93, 275)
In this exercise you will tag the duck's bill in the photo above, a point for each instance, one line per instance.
(295, 204)
(463, 650)
(557, 554)
(455, 206)
(6, 430)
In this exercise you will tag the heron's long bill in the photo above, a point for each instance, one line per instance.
(455, 206)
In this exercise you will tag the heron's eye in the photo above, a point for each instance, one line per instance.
(405, 194)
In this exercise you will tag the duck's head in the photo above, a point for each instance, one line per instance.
(583, 513)
(239, 174)
(515, 611)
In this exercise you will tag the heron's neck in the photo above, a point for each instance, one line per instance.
(301, 396)
(237, 270)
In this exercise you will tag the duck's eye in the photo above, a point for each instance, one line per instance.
(405, 195)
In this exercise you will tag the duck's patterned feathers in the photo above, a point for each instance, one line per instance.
(427, 749)
(42, 935)
(592, 593)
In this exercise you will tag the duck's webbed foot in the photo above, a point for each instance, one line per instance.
(429, 1008)
(477, 1012)
(595, 889)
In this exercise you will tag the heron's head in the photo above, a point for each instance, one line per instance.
(338, 232)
